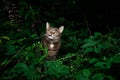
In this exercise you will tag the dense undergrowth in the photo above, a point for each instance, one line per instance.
(83, 56)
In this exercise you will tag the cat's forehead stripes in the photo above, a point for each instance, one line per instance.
(53, 30)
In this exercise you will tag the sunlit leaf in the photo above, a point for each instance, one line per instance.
(5, 37)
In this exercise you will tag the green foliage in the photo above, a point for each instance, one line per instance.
(28, 71)
(2, 38)
(83, 75)
(56, 69)
(81, 57)
(98, 43)
(116, 58)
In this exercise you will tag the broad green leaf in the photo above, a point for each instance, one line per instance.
(97, 50)
(93, 60)
(88, 50)
(11, 50)
(101, 65)
(86, 73)
(116, 59)
(22, 66)
(108, 64)
(97, 33)
(80, 76)
(30, 72)
(86, 45)
(98, 76)
(56, 69)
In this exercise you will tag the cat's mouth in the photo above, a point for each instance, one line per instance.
(50, 37)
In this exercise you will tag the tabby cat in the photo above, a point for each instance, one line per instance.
(52, 40)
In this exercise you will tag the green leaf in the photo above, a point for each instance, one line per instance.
(97, 34)
(90, 43)
(88, 50)
(22, 66)
(56, 69)
(30, 72)
(11, 50)
(69, 55)
(28, 14)
(101, 65)
(108, 64)
(93, 60)
(86, 73)
(98, 76)
(97, 50)
(0, 41)
(5, 37)
(80, 75)
(116, 59)
(4, 62)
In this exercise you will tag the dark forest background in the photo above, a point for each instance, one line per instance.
(90, 41)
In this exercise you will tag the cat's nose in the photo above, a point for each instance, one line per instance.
(50, 35)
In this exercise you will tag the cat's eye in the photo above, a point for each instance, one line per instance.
(48, 30)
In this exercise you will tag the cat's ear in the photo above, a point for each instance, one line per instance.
(61, 29)
(47, 25)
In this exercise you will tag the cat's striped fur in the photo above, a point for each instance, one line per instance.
(52, 40)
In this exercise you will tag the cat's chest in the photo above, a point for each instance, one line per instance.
(51, 45)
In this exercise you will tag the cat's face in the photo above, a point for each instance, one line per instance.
(53, 33)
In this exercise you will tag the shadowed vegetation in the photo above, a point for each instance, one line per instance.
(90, 41)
